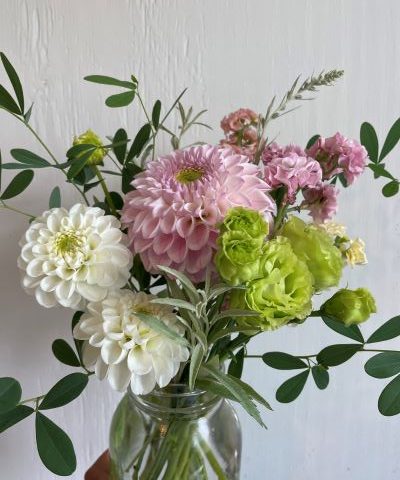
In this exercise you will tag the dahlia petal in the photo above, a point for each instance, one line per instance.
(111, 352)
(164, 243)
(45, 299)
(93, 293)
(178, 250)
(119, 376)
(139, 361)
(143, 384)
(199, 238)
(35, 267)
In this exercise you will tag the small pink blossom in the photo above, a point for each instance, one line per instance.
(179, 200)
(321, 202)
(239, 120)
(290, 167)
(240, 128)
(339, 154)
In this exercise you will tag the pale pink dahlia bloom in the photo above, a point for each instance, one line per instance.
(178, 202)
(321, 202)
(339, 154)
(240, 128)
(291, 168)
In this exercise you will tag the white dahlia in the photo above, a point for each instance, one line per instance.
(75, 255)
(123, 348)
(180, 199)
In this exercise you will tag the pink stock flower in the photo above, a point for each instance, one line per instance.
(339, 154)
(178, 202)
(321, 202)
(240, 128)
(238, 120)
(290, 167)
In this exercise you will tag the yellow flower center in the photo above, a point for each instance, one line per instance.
(187, 175)
(68, 243)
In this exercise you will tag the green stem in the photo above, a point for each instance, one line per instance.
(4, 205)
(52, 156)
(105, 190)
(32, 400)
(114, 162)
(212, 460)
(280, 217)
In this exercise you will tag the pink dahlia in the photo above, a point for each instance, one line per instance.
(291, 168)
(178, 202)
(240, 128)
(321, 202)
(339, 154)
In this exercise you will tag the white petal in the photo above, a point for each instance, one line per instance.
(89, 354)
(111, 352)
(119, 376)
(163, 370)
(45, 299)
(93, 293)
(139, 361)
(35, 268)
(101, 369)
(143, 384)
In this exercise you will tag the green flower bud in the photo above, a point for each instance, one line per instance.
(90, 138)
(350, 306)
(316, 248)
(282, 292)
(245, 220)
(238, 257)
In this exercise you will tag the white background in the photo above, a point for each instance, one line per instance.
(230, 54)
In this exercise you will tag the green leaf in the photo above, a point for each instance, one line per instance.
(312, 140)
(28, 113)
(128, 174)
(175, 302)
(18, 184)
(234, 387)
(155, 114)
(391, 140)
(64, 353)
(383, 365)
(337, 354)
(139, 142)
(352, 331)
(387, 331)
(292, 388)
(54, 446)
(213, 386)
(321, 376)
(77, 150)
(283, 361)
(55, 198)
(391, 189)
(195, 364)
(7, 102)
(11, 417)
(389, 399)
(105, 80)
(161, 327)
(10, 393)
(65, 391)
(120, 99)
(252, 393)
(14, 79)
(78, 164)
(235, 313)
(236, 366)
(120, 138)
(369, 139)
(29, 158)
(188, 286)
(380, 171)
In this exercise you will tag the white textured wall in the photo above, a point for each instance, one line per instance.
(230, 54)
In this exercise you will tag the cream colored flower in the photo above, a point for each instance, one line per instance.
(75, 255)
(334, 229)
(355, 254)
(123, 348)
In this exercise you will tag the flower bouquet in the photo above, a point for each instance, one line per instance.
(172, 276)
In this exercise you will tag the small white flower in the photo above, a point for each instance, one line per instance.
(123, 348)
(334, 229)
(355, 254)
(68, 256)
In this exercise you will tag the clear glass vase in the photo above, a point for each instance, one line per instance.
(175, 434)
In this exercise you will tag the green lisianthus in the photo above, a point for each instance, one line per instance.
(238, 257)
(281, 293)
(91, 138)
(350, 306)
(245, 220)
(316, 248)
